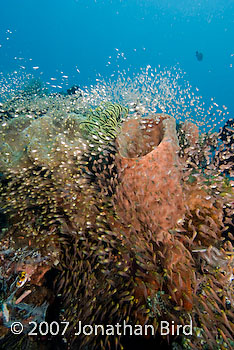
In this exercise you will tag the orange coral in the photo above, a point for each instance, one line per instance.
(205, 216)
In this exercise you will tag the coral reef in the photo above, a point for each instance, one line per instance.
(113, 215)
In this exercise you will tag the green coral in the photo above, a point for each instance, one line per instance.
(102, 124)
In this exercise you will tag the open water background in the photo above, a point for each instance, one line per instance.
(79, 39)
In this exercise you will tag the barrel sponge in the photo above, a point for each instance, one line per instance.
(150, 194)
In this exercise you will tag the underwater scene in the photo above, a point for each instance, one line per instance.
(116, 175)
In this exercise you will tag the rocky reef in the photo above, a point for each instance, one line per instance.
(111, 215)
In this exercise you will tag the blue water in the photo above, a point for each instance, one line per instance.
(77, 38)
